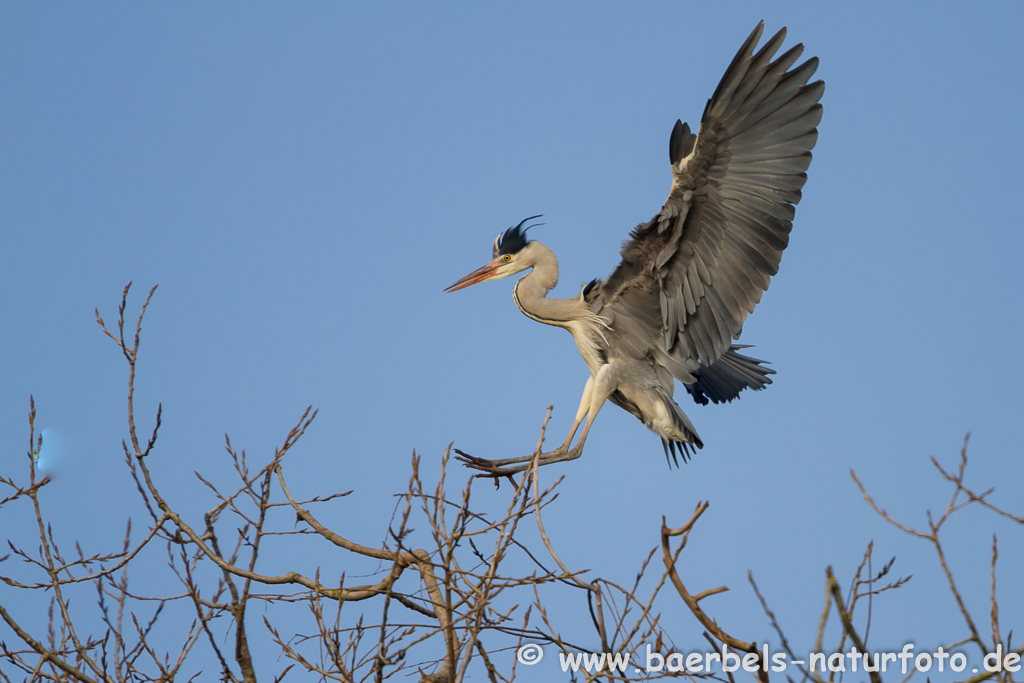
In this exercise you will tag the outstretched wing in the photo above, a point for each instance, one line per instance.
(706, 258)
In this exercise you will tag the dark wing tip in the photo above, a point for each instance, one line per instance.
(743, 54)
(681, 142)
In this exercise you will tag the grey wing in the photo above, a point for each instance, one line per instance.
(705, 260)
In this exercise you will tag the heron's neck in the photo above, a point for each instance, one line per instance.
(531, 291)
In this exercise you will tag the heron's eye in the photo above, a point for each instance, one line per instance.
(507, 257)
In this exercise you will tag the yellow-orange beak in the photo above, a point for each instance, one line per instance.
(478, 275)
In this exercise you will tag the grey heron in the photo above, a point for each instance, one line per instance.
(689, 276)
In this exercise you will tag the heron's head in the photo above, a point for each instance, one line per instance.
(510, 255)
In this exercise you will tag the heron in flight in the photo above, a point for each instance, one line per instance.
(689, 276)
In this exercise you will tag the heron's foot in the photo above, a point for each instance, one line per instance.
(491, 469)
(508, 466)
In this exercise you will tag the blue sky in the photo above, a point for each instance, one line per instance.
(302, 182)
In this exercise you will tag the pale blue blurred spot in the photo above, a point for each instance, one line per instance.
(53, 454)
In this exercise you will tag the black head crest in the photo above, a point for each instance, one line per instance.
(514, 239)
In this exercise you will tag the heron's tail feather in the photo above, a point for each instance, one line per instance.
(687, 441)
(724, 379)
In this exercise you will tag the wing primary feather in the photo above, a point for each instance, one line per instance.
(731, 80)
(760, 64)
(776, 71)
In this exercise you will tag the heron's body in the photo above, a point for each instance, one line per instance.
(628, 373)
(690, 276)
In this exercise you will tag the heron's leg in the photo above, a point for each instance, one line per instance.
(581, 412)
(599, 391)
(484, 463)
(595, 393)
